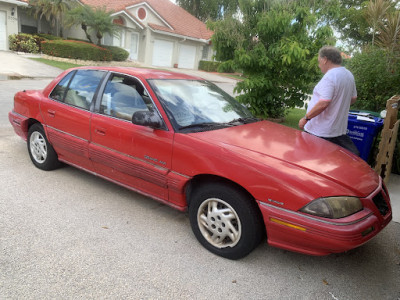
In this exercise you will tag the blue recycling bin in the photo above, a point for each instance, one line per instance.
(362, 128)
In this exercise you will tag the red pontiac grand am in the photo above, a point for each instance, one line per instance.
(183, 141)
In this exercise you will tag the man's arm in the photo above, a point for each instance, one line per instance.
(315, 111)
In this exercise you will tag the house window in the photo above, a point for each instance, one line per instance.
(204, 55)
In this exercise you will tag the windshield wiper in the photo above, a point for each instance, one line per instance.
(244, 120)
(204, 125)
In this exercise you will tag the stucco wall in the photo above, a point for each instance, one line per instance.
(11, 21)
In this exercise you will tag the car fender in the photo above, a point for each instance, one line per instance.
(267, 179)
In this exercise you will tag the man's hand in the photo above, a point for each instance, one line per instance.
(302, 123)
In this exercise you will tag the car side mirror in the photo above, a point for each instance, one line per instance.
(148, 119)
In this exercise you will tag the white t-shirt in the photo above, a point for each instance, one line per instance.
(338, 87)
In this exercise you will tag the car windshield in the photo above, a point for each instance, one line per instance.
(196, 105)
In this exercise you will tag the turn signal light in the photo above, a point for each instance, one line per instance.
(287, 224)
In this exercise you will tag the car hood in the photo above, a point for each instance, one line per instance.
(270, 140)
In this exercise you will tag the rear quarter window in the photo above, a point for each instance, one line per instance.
(78, 88)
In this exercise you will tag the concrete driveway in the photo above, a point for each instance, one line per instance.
(67, 234)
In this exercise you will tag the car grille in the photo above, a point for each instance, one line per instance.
(381, 204)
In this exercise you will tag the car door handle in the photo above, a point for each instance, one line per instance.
(100, 131)
(51, 113)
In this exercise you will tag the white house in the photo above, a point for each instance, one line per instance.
(9, 20)
(154, 32)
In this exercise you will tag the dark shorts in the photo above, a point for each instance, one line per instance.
(345, 142)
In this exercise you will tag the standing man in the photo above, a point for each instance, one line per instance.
(327, 113)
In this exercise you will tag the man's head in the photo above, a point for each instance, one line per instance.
(329, 57)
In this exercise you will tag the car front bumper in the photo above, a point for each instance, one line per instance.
(299, 232)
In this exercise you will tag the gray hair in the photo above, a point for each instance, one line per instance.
(332, 54)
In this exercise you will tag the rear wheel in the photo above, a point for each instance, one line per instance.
(40, 151)
(225, 220)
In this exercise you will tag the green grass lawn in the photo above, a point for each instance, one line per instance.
(57, 64)
(293, 117)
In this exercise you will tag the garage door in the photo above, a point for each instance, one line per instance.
(3, 31)
(187, 57)
(162, 53)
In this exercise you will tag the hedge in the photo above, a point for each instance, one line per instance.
(49, 36)
(209, 66)
(118, 54)
(76, 50)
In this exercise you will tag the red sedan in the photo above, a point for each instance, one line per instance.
(183, 141)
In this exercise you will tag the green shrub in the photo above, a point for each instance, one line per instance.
(118, 54)
(76, 50)
(226, 67)
(76, 39)
(24, 43)
(209, 66)
(377, 78)
(49, 36)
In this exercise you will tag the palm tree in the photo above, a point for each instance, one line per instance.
(52, 10)
(376, 11)
(389, 32)
(79, 15)
(92, 20)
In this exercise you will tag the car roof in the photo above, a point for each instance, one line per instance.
(144, 73)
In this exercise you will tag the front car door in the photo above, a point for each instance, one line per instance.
(135, 156)
(66, 114)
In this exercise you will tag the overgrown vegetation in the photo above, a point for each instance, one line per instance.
(377, 78)
(275, 44)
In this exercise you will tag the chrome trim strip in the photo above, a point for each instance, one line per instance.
(132, 157)
(182, 175)
(315, 219)
(58, 130)
(18, 114)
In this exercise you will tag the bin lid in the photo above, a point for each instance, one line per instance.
(365, 117)
(372, 113)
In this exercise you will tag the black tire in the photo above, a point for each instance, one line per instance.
(40, 151)
(225, 220)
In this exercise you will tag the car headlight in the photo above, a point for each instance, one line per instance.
(333, 207)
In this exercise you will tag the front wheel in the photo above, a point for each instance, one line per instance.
(40, 151)
(225, 220)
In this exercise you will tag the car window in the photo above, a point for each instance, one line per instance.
(59, 91)
(123, 96)
(82, 88)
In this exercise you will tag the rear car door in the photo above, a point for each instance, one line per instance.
(136, 156)
(67, 114)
